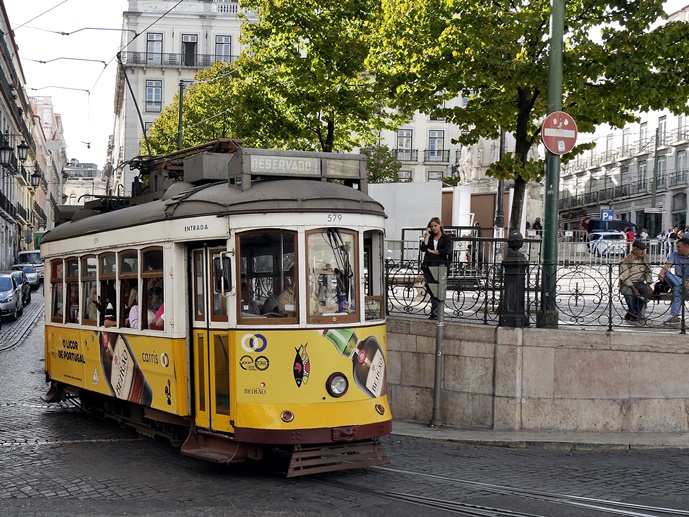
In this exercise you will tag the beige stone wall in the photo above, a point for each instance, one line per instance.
(538, 379)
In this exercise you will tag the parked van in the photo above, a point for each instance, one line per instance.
(32, 257)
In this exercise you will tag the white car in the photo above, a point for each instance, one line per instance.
(31, 274)
(607, 244)
(11, 301)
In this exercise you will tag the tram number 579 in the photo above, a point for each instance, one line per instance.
(334, 218)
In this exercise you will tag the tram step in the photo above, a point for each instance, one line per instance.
(314, 460)
(213, 448)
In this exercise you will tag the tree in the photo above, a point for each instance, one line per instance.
(208, 112)
(495, 55)
(304, 76)
(383, 166)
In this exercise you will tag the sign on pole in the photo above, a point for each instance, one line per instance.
(559, 132)
(607, 215)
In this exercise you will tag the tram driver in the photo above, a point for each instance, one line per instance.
(249, 305)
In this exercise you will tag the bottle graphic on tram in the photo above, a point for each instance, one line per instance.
(122, 372)
(369, 368)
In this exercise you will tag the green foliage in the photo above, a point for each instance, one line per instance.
(305, 75)
(208, 112)
(382, 164)
(495, 55)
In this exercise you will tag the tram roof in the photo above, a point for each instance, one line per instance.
(183, 200)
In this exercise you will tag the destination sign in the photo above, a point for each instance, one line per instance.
(285, 165)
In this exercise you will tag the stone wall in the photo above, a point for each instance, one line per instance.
(541, 379)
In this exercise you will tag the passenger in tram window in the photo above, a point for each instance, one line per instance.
(73, 303)
(92, 304)
(133, 319)
(286, 298)
(109, 316)
(159, 322)
(271, 305)
(249, 305)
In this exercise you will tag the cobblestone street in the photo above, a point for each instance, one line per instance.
(59, 461)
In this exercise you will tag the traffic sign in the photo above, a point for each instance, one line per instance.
(658, 210)
(559, 132)
(607, 215)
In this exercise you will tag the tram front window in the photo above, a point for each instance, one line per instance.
(267, 290)
(331, 266)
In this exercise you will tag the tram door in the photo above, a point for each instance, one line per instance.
(212, 381)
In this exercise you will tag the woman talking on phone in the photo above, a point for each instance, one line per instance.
(437, 247)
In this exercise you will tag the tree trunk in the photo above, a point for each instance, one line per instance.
(517, 205)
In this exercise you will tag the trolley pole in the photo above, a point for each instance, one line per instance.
(440, 274)
(548, 317)
(179, 119)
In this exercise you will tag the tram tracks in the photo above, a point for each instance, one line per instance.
(586, 504)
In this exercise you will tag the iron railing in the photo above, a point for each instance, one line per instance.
(587, 288)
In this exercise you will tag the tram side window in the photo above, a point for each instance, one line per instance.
(152, 290)
(72, 280)
(89, 290)
(374, 276)
(268, 286)
(129, 286)
(57, 290)
(332, 280)
(220, 267)
(108, 294)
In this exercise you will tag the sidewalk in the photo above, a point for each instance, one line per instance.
(549, 440)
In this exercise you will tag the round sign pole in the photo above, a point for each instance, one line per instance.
(548, 315)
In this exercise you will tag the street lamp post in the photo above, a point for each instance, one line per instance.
(654, 185)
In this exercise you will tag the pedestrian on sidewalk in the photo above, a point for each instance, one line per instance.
(636, 282)
(437, 248)
(679, 280)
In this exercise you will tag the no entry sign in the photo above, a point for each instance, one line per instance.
(559, 132)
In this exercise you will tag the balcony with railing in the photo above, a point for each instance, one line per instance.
(436, 156)
(173, 60)
(7, 206)
(41, 214)
(407, 155)
(678, 179)
(153, 106)
(23, 213)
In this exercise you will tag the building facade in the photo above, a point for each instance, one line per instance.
(82, 182)
(640, 172)
(20, 209)
(167, 53)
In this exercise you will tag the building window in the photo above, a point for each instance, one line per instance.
(681, 161)
(682, 133)
(404, 143)
(435, 175)
(642, 174)
(223, 48)
(154, 96)
(154, 48)
(626, 136)
(189, 43)
(436, 144)
(643, 134)
(662, 130)
(404, 175)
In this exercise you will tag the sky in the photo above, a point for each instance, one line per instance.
(88, 118)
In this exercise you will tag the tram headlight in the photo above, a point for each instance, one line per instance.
(337, 384)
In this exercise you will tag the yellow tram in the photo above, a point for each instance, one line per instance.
(243, 309)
